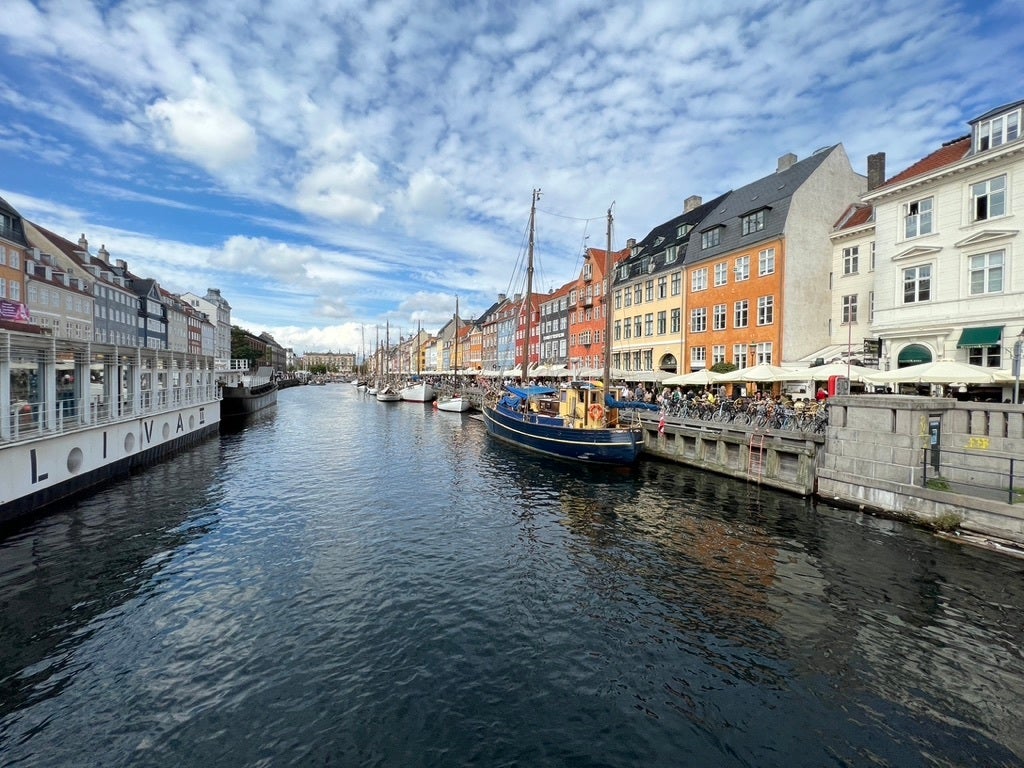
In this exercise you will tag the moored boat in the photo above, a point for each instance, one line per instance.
(75, 415)
(249, 393)
(453, 403)
(388, 394)
(418, 392)
(582, 421)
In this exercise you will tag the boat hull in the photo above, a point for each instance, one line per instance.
(40, 473)
(593, 446)
(241, 400)
(418, 393)
(453, 404)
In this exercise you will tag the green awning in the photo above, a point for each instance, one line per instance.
(915, 354)
(980, 337)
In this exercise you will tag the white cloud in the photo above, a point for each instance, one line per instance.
(203, 131)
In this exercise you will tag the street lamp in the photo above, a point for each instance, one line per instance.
(1018, 348)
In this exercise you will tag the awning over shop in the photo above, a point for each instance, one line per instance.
(980, 337)
(913, 355)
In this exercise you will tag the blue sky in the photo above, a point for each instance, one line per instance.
(330, 164)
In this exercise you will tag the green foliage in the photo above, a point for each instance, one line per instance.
(947, 521)
(723, 367)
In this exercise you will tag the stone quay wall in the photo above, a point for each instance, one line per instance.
(877, 455)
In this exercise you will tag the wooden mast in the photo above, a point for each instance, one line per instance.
(529, 288)
(455, 354)
(608, 265)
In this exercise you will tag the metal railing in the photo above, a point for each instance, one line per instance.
(33, 419)
(759, 414)
(982, 475)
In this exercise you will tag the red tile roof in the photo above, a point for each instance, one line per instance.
(856, 215)
(947, 154)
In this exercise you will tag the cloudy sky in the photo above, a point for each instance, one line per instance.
(329, 164)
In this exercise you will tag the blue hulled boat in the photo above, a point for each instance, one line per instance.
(575, 422)
(582, 421)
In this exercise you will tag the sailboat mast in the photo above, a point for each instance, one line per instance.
(529, 286)
(455, 354)
(607, 374)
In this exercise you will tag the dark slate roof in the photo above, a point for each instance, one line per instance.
(773, 193)
(662, 237)
(16, 232)
(996, 112)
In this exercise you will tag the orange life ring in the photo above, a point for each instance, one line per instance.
(596, 412)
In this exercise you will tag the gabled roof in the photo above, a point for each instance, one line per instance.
(951, 152)
(997, 111)
(773, 192)
(857, 215)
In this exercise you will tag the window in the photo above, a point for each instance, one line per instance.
(699, 279)
(871, 306)
(649, 324)
(766, 310)
(850, 309)
(742, 269)
(698, 356)
(649, 290)
(718, 354)
(627, 329)
(628, 298)
(3, 288)
(997, 131)
(588, 271)
(721, 274)
(917, 218)
(990, 357)
(740, 354)
(662, 287)
(683, 230)
(636, 361)
(752, 222)
(638, 294)
(671, 254)
(677, 283)
(617, 331)
(766, 262)
(851, 260)
(624, 272)
(917, 284)
(677, 319)
(763, 353)
(986, 273)
(718, 317)
(662, 323)
(871, 248)
(988, 199)
(710, 238)
(698, 320)
(741, 314)
(3, 255)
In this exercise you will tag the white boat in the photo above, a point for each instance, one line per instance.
(82, 413)
(455, 404)
(418, 392)
(388, 394)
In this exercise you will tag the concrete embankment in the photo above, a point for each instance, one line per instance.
(934, 461)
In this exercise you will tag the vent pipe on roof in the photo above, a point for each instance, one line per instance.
(876, 170)
(786, 162)
(692, 202)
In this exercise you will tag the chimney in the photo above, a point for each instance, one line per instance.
(501, 298)
(631, 242)
(122, 264)
(786, 162)
(693, 201)
(876, 170)
(104, 254)
(83, 243)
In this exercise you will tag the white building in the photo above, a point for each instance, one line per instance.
(947, 231)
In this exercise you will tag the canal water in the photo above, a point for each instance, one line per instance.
(353, 583)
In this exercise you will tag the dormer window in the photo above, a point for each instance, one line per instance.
(634, 250)
(710, 238)
(752, 222)
(671, 254)
(683, 230)
(624, 272)
(588, 271)
(997, 131)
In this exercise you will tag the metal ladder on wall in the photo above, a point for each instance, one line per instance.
(755, 456)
